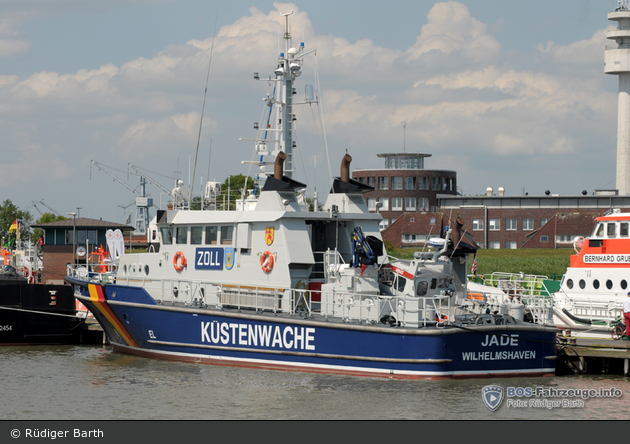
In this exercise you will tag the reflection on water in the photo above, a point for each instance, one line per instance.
(91, 382)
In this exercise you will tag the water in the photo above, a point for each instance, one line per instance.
(88, 382)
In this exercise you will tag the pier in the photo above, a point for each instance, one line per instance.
(92, 333)
(578, 355)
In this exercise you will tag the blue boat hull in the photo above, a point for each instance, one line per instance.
(136, 324)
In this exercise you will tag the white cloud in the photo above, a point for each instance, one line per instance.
(451, 29)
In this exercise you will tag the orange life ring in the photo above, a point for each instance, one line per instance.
(266, 261)
(179, 266)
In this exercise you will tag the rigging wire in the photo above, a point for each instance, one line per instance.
(192, 181)
(321, 112)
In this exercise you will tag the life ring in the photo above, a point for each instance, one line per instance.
(179, 266)
(266, 261)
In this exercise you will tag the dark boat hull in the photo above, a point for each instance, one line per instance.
(38, 314)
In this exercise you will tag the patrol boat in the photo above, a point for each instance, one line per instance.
(589, 302)
(273, 285)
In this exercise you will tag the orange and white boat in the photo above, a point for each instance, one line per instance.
(590, 298)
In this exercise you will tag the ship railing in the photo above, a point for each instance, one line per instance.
(533, 291)
(102, 277)
(333, 261)
(596, 311)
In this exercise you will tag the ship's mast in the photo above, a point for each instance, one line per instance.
(277, 126)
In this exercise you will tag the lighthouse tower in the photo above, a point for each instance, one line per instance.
(617, 62)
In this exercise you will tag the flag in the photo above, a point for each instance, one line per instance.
(474, 266)
(14, 226)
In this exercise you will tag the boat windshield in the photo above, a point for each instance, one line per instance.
(599, 230)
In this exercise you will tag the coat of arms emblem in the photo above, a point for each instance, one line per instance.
(269, 235)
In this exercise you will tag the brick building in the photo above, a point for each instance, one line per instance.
(550, 221)
(403, 185)
(59, 242)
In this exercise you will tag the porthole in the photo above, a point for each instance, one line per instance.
(595, 284)
(175, 291)
(124, 269)
(582, 284)
(127, 318)
(146, 270)
(609, 284)
(624, 284)
(570, 284)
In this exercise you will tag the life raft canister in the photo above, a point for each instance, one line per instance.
(179, 266)
(266, 261)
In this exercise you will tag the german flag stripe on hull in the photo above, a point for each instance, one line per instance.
(98, 299)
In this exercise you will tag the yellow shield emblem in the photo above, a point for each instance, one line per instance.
(269, 235)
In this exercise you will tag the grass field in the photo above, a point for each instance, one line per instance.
(551, 263)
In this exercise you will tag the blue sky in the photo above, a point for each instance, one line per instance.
(506, 93)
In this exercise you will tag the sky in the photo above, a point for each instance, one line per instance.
(507, 94)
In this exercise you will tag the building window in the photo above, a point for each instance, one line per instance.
(385, 203)
(383, 183)
(510, 224)
(494, 245)
(564, 238)
(544, 238)
(397, 183)
(397, 203)
(371, 202)
(477, 224)
(423, 183)
(409, 238)
(511, 245)
(436, 183)
(528, 224)
(371, 181)
(410, 203)
(494, 224)
(423, 203)
(543, 222)
(410, 183)
(383, 224)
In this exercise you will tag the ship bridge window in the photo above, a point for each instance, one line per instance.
(400, 283)
(182, 235)
(421, 288)
(195, 235)
(212, 235)
(611, 229)
(226, 235)
(167, 237)
(623, 229)
(599, 231)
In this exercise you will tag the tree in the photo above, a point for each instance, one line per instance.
(235, 185)
(9, 213)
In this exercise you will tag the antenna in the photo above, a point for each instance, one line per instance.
(203, 107)
(405, 136)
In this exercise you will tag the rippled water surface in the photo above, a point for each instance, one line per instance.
(92, 382)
